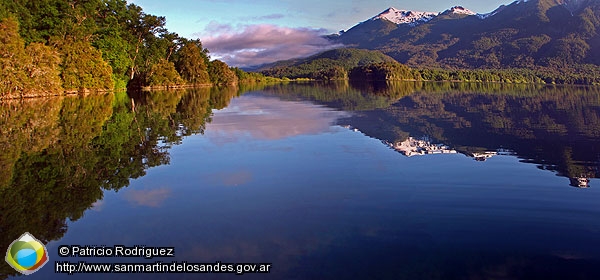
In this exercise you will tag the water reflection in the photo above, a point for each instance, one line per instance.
(269, 118)
(419, 147)
(556, 128)
(270, 179)
(149, 198)
(230, 179)
(59, 154)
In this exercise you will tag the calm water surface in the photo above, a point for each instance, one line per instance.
(323, 181)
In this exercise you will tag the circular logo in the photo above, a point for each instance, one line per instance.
(27, 254)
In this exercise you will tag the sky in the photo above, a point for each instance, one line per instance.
(244, 33)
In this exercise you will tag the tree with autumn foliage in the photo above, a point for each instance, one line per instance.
(191, 63)
(220, 74)
(26, 71)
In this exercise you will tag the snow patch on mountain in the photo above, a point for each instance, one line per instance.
(493, 13)
(460, 10)
(405, 17)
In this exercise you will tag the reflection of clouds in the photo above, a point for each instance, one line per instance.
(271, 247)
(269, 118)
(230, 179)
(150, 198)
(98, 205)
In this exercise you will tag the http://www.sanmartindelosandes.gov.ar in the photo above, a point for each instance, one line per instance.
(27, 254)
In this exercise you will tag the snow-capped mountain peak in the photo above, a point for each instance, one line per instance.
(461, 11)
(405, 17)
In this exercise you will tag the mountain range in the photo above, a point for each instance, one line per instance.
(549, 34)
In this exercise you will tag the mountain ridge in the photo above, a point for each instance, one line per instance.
(523, 34)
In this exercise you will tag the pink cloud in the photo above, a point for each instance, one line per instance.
(259, 44)
(150, 198)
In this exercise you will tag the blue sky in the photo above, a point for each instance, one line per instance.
(225, 25)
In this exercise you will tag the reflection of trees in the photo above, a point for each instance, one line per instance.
(362, 96)
(62, 153)
(556, 128)
(193, 111)
(220, 97)
(26, 125)
(341, 95)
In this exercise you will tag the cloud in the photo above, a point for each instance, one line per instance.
(262, 43)
(150, 198)
(268, 17)
(217, 28)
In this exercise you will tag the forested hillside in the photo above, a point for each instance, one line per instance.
(364, 65)
(48, 47)
(555, 37)
(328, 65)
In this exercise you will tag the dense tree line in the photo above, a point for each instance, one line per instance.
(394, 71)
(51, 46)
(383, 72)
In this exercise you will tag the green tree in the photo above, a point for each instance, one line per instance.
(26, 71)
(12, 56)
(382, 72)
(191, 64)
(98, 44)
(42, 68)
(163, 73)
(220, 74)
(331, 74)
(141, 27)
(83, 67)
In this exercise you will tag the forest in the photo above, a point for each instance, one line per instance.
(52, 47)
(368, 65)
(318, 69)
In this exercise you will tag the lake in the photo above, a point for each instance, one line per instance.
(321, 181)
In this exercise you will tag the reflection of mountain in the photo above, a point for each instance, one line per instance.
(423, 146)
(60, 154)
(419, 147)
(557, 128)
